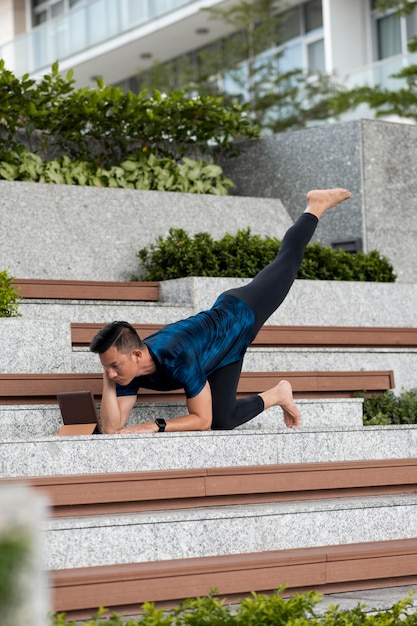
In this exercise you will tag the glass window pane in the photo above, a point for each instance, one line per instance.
(57, 9)
(290, 27)
(291, 58)
(39, 18)
(313, 15)
(138, 11)
(411, 21)
(77, 31)
(315, 53)
(389, 36)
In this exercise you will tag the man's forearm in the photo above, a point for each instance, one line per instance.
(110, 415)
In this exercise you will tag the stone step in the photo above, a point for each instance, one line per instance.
(27, 422)
(52, 352)
(338, 303)
(403, 361)
(101, 311)
(212, 531)
(324, 302)
(50, 456)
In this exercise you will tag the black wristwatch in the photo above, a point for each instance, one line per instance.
(161, 424)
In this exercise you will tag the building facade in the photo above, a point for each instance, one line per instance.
(116, 39)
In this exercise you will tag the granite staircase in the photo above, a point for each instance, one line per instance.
(163, 517)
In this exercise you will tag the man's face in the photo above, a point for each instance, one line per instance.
(121, 367)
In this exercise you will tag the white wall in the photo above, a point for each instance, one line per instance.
(6, 21)
(347, 31)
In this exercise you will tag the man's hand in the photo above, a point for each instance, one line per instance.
(114, 411)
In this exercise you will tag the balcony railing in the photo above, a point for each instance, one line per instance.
(380, 72)
(80, 30)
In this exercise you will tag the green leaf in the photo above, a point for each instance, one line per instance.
(8, 171)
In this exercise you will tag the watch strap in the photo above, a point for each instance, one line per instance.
(161, 423)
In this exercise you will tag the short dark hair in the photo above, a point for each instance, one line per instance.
(121, 335)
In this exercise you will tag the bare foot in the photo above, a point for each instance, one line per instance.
(319, 200)
(281, 395)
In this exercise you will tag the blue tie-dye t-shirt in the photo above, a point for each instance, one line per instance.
(187, 352)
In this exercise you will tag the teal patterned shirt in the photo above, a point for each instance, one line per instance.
(188, 351)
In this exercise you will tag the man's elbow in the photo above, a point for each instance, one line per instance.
(110, 431)
(205, 423)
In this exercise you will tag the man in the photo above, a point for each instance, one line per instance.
(203, 354)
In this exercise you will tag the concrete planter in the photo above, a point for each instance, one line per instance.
(376, 160)
(89, 233)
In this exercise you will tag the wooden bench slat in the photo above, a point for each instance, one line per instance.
(87, 290)
(289, 336)
(156, 490)
(42, 388)
(326, 569)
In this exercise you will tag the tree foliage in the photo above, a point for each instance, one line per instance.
(250, 61)
(106, 126)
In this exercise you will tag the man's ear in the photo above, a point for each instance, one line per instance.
(137, 354)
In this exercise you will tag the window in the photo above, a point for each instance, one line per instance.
(388, 36)
(290, 26)
(313, 15)
(315, 52)
(392, 33)
(411, 25)
(46, 10)
(57, 9)
(301, 36)
(291, 58)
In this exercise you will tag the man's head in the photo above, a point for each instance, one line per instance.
(121, 335)
(120, 350)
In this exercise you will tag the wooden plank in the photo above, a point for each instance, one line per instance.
(336, 336)
(178, 587)
(128, 586)
(290, 336)
(139, 491)
(30, 388)
(87, 290)
(83, 333)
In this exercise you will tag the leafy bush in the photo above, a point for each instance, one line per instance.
(14, 548)
(324, 263)
(8, 296)
(244, 254)
(142, 172)
(105, 126)
(258, 610)
(387, 408)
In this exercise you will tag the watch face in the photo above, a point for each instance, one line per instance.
(161, 423)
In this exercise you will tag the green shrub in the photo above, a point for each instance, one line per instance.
(142, 172)
(14, 548)
(387, 408)
(9, 297)
(258, 610)
(105, 126)
(243, 255)
(324, 263)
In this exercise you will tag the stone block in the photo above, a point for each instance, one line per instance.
(375, 159)
(90, 233)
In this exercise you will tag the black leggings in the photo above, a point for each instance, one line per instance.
(264, 294)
